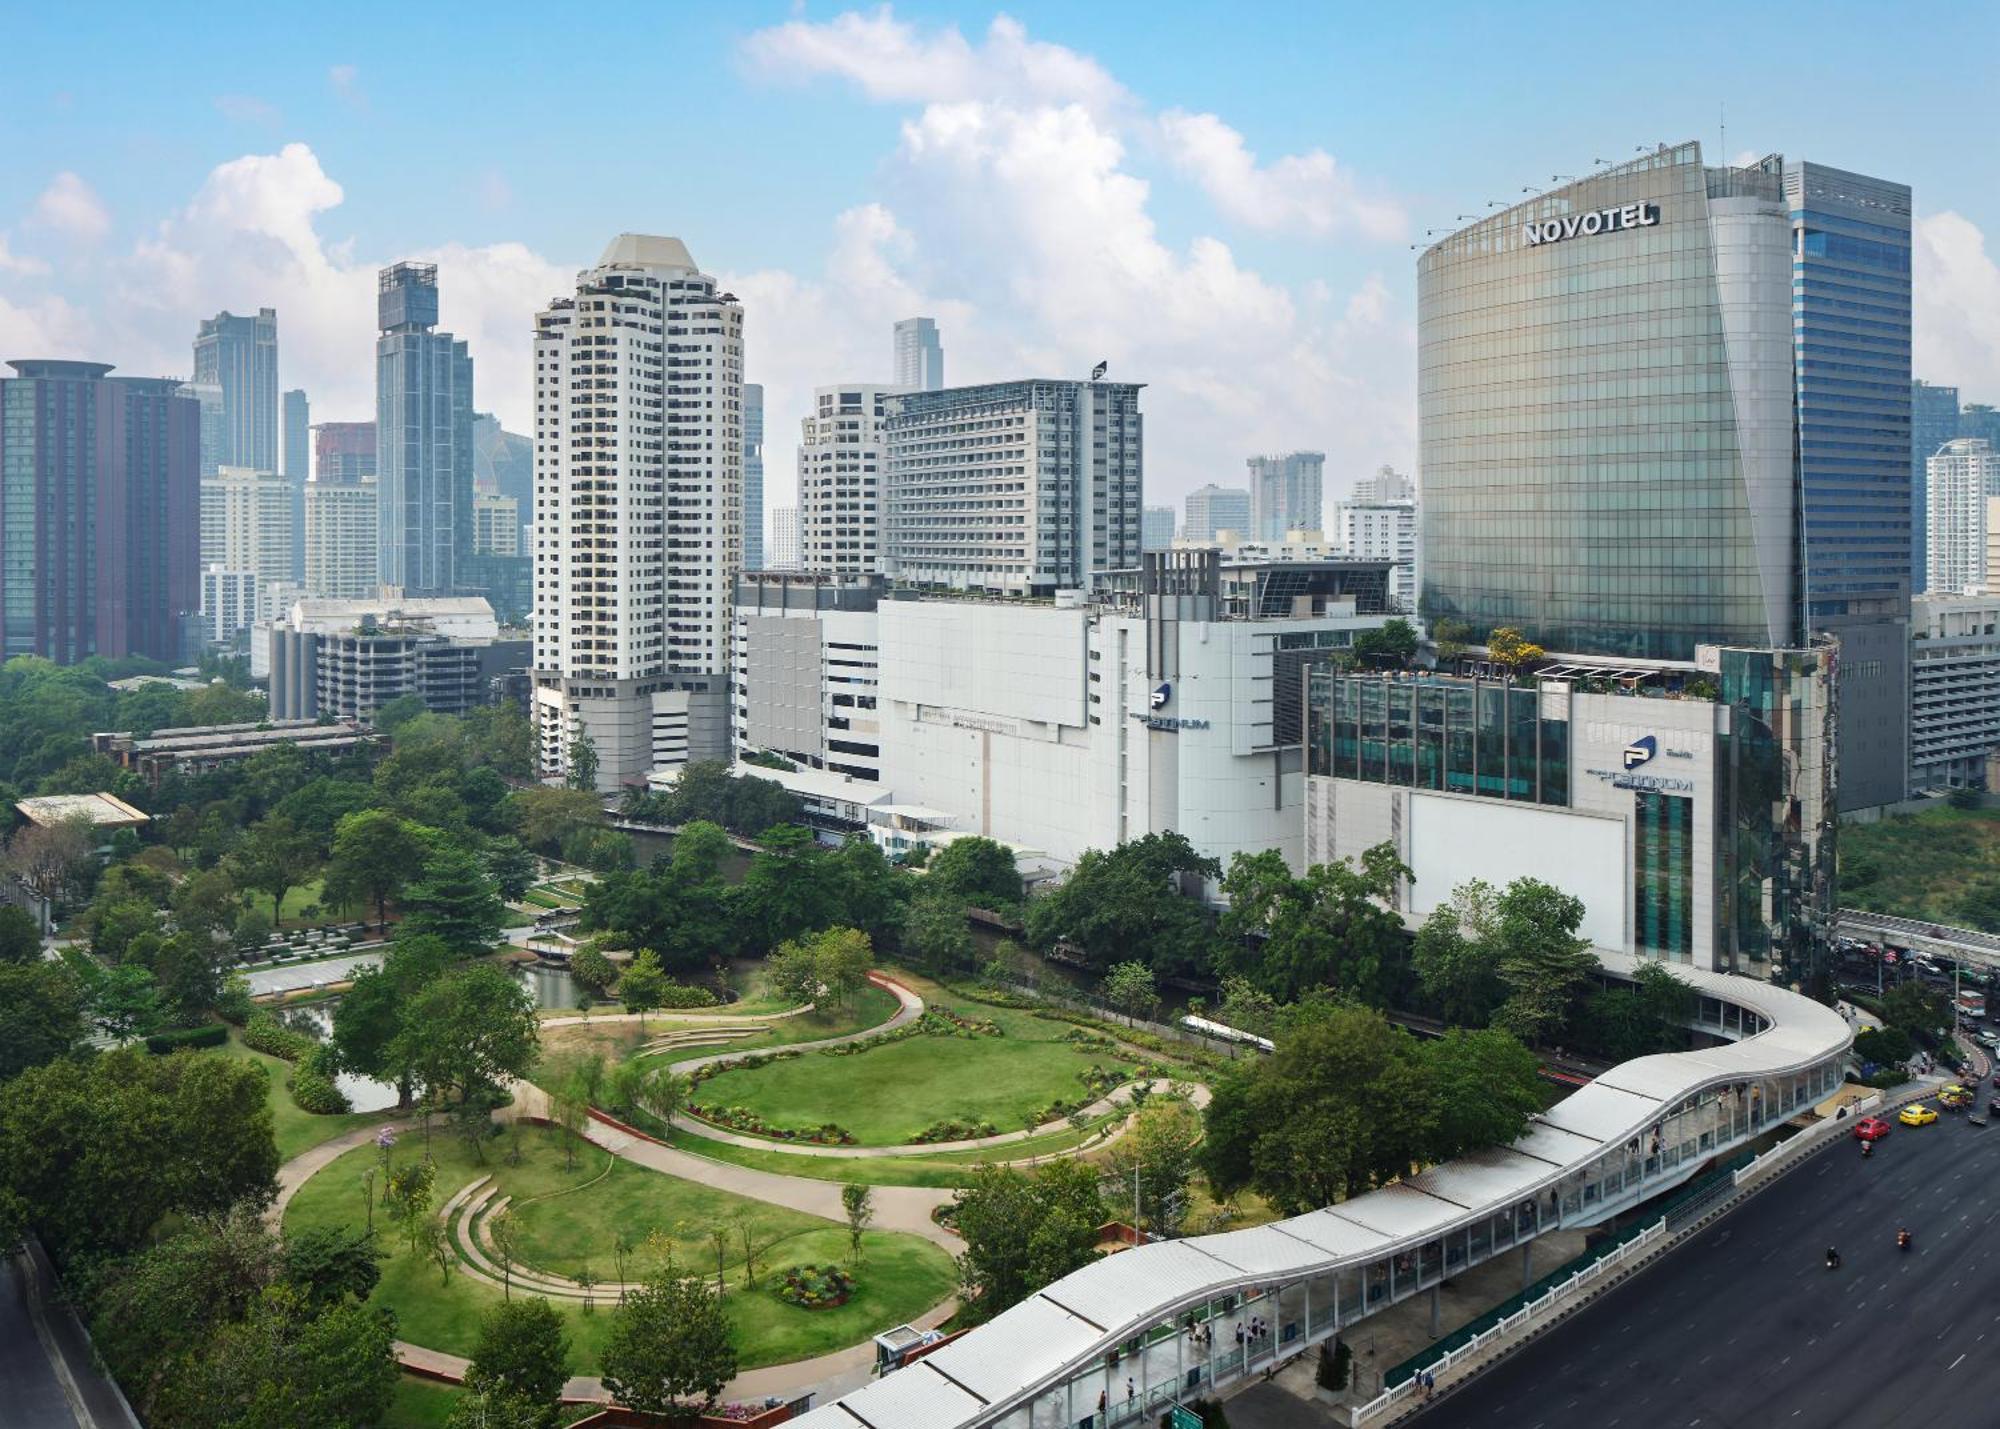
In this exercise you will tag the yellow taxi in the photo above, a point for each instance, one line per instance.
(1955, 1097)
(1916, 1114)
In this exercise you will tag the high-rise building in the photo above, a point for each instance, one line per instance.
(239, 357)
(1212, 509)
(841, 460)
(246, 525)
(638, 511)
(298, 469)
(343, 543)
(1018, 487)
(208, 398)
(496, 526)
(1285, 493)
(344, 451)
(100, 497)
(229, 602)
(1712, 455)
(1382, 531)
(423, 435)
(503, 463)
(1156, 528)
(919, 355)
(1933, 422)
(1978, 419)
(753, 475)
(1960, 482)
(1387, 484)
(784, 541)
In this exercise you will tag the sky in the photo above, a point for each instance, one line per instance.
(1223, 203)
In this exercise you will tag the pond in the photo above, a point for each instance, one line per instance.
(362, 1093)
(549, 986)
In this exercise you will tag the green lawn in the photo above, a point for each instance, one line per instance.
(420, 1404)
(296, 1130)
(901, 1275)
(888, 1094)
(1942, 865)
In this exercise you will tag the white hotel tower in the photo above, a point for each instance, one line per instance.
(638, 511)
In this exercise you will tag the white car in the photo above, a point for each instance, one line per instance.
(1988, 1039)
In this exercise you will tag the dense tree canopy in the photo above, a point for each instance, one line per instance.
(1332, 926)
(1126, 903)
(976, 871)
(1024, 1231)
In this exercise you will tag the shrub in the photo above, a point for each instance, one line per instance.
(313, 1086)
(816, 1287)
(235, 1006)
(264, 1033)
(174, 1038)
(680, 995)
(1336, 1364)
(953, 1130)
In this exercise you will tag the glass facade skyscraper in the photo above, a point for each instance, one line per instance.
(1933, 422)
(238, 358)
(753, 476)
(1669, 405)
(423, 436)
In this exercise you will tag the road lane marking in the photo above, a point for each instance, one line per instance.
(1954, 1364)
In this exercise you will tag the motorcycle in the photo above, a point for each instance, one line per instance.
(1833, 1260)
(1902, 1240)
(1867, 1149)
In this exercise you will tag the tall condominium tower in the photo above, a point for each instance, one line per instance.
(638, 511)
(423, 436)
(344, 451)
(100, 527)
(1285, 494)
(753, 475)
(343, 545)
(246, 525)
(297, 469)
(919, 355)
(1156, 528)
(1215, 508)
(239, 358)
(841, 460)
(784, 545)
(1933, 422)
(1387, 484)
(1015, 487)
(1714, 450)
(1962, 479)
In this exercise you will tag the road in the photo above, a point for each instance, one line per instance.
(1747, 1327)
(47, 1380)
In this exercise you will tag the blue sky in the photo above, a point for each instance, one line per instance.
(1219, 201)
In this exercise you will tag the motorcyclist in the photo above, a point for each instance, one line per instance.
(1832, 1258)
(1867, 1149)
(1903, 1238)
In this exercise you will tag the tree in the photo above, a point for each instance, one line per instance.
(394, 714)
(471, 1030)
(20, 935)
(41, 1015)
(1125, 903)
(590, 969)
(1508, 648)
(935, 930)
(975, 870)
(791, 887)
(1922, 1012)
(374, 855)
(1129, 988)
(1542, 962)
(124, 1002)
(828, 968)
(330, 1264)
(50, 860)
(644, 985)
(1335, 925)
(276, 857)
(1456, 956)
(523, 1353)
(545, 816)
(454, 902)
(1486, 1087)
(1390, 647)
(511, 867)
(1158, 1152)
(668, 1350)
(583, 762)
(1451, 637)
(280, 1368)
(1023, 1232)
(206, 902)
(492, 1409)
(369, 1018)
(116, 923)
(857, 1202)
(700, 850)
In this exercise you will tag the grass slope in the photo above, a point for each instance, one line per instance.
(295, 1130)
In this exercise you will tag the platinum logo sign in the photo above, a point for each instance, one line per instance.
(1598, 220)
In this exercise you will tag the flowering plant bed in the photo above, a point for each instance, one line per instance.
(736, 1118)
(816, 1287)
(953, 1130)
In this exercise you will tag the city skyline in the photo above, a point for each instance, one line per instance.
(1251, 267)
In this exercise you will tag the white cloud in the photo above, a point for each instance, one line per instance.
(346, 82)
(19, 264)
(72, 208)
(1299, 193)
(246, 109)
(1955, 294)
(1013, 193)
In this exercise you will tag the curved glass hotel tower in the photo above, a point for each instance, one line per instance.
(1668, 405)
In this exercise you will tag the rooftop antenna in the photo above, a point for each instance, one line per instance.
(1722, 130)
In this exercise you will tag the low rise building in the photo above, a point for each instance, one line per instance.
(1954, 690)
(806, 674)
(201, 748)
(346, 659)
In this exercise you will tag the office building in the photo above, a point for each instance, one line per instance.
(342, 538)
(507, 583)
(1382, 531)
(1020, 488)
(1212, 510)
(1387, 484)
(1933, 422)
(100, 498)
(1716, 455)
(1285, 493)
(919, 356)
(207, 397)
(496, 526)
(423, 435)
(1156, 528)
(1961, 481)
(753, 475)
(806, 671)
(298, 470)
(842, 457)
(238, 357)
(1690, 810)
(229, 602)
(246, 525)
(1980, 421)
(346, 659)
(503, 462)
(784, 539)
(1954, 689)
(344, 451)
(638, 511)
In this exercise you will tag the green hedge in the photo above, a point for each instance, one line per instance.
(175, 1038)
(313, 1086)
(264, 1033)
(675, 996)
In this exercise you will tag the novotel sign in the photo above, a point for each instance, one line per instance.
(1597, 220)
